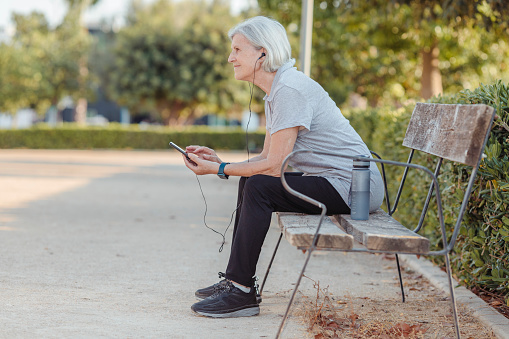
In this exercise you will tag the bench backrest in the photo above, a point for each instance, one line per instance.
(453, 132)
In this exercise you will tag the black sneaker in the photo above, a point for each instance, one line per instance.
(208, 291)
(228, 302)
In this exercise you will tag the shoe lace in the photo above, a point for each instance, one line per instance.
(217, 287)
(222, 288)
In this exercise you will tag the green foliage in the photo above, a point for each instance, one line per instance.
(173, 57)
(10, 98)
(71, 136)
(374, 48)
(42, 64)
(484, 240)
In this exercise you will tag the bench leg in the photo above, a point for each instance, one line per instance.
(310, 251)
(400, 279)
(453, 300)
(270, 264)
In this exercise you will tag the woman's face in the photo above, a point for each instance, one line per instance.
(244, 57)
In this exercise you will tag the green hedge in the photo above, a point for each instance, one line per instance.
(483, 246)
(481, 255)
(70, 136)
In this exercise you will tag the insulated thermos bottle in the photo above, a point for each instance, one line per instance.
(359, 209)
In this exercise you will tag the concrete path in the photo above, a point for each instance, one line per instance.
(113, 244)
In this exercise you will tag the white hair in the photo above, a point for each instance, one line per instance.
(263, 32)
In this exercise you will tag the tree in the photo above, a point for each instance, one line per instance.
(173, 57)
(432, 14)
(43, 64)
(21, 77)
(382, 49)
(10, 63)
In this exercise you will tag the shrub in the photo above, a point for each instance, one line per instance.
(483, 258)
(115, 136)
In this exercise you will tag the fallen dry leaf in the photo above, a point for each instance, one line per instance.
(353, 317)
(405, 330)
(369, 317)
(389, 256)
(496, 303)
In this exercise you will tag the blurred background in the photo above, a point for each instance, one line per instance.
(136, 74)
(164, 62)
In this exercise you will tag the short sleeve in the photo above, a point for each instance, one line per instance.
(289, 108)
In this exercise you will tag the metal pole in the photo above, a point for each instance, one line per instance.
(306, 33)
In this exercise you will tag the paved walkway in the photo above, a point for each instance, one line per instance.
(113, 244)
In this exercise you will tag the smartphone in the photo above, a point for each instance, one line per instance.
(182, 151)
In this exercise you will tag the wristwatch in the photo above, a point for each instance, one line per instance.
(220, 173)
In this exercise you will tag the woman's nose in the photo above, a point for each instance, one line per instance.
(230, 57)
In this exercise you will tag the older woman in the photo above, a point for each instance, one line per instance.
(299, 115)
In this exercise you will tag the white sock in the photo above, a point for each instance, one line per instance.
(242, 288)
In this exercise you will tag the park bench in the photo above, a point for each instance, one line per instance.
(456, 133)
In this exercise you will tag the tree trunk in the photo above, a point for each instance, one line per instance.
(81, 111)
(431, 80)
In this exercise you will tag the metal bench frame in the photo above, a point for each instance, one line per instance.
(434, 186)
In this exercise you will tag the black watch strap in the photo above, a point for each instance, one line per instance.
(220, 172)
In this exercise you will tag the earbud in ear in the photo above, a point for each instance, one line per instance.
(263, 54)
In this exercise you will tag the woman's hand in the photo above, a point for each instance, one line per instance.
(200, 166)
(204, 153)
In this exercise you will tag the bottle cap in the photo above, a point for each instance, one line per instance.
(360, 163)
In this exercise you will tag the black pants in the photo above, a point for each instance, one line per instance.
(258, 197)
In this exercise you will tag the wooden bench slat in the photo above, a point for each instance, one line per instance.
(299, 230)
(454, 132)
(383, 233)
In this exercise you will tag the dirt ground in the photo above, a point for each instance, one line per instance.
(426, 313)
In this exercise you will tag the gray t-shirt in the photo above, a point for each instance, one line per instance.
(296, 100)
